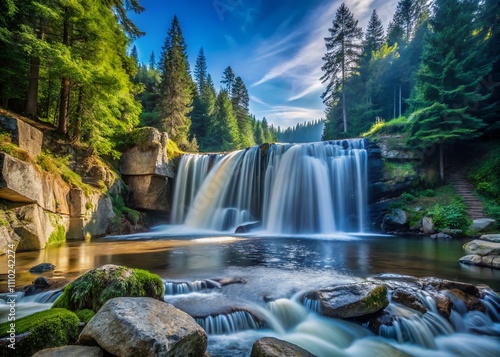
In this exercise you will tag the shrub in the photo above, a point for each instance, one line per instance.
(85, 315)
(450, 216)
(47, 329)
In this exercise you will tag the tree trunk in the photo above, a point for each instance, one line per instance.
(400, 99)
(344, 115)
(78, 123)
(65, 86)
(64, 106)
(31, 109)
(441, 162)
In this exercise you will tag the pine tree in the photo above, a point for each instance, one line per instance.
(223, 131)
(447, 81)
(134, 54)
(152, 61)
(408, 16)
(240, 101)
(203, 109)
(343, 51)
(228, 79)
(176, 88)
(374, 35)
(200, 70)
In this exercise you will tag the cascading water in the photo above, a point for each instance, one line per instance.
(291, 189)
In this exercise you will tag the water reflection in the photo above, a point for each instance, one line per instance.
(205, 257)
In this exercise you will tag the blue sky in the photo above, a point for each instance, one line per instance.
(274, 46)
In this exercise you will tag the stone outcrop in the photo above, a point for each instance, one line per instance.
(23, 182)
(26, 136)
(395, 221)
(146, 170)
(481, 224)
(144, 327)
(273, 347)
(89, 214)
(353, 300)
(484, 251)
(382, 187)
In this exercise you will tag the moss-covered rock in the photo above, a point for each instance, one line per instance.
(97, 286)
(44, 329)
(85, 315)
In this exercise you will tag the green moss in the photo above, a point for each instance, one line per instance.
(58, 166)
(397, 125)
(85, 315)
(377, 299)
(3, 222)
(398, 172)
(173, 151)
(94, 288)
(121, 210)
(58, 236)
(11, 149)
(49, 328)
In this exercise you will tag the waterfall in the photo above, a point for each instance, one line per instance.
(230, 323)
(291, 189)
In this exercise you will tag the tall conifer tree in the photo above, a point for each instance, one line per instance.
(343, 51)
(452, 67)
(176, 88)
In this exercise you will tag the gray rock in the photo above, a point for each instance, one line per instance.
(272, 347)
(22, 182)
(70, 351)
(472, 259)
(395, 221)
(149, 192)
(482, 247)
(129, 327)
(26, 136)
(42, 268)
(148, 156)
(353, 300)
(441, 235)
(481, 224)
(491, 237)
(427, 225)
(492, 261)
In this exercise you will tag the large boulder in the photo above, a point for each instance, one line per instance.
(482, 247)
(492, 261)
(97, 286)
(129, 327)
(353, 300)
(396, 221)
(427, 225)
(481, 224)
(272, 347)
(26, 136)
(491, 238)
(148, 156)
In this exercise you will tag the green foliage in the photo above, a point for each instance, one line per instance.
(398, 172)
(47, 329)
(58, 236)
(381, 127)
(58, 166)
(97, 286)
(450, 216)
(223, 132)
(484, 175)
(85, 315)
(11, 149)
(121, 210)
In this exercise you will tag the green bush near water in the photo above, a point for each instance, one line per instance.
(47, 329)
(97, 286)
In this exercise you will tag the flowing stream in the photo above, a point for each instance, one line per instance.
(307, 208)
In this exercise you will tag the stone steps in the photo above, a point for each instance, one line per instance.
(475, 207)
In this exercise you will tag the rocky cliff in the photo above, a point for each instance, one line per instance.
(38, 208)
